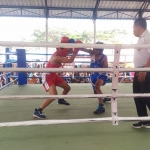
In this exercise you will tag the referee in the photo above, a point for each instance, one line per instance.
(141, 82)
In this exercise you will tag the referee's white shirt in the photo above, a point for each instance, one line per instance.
(142, 55)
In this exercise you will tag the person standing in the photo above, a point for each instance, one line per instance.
(51, 80)
(98, 60)
(141, 82)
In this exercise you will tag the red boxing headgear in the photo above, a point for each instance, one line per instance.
(65, 39)
(63, 52)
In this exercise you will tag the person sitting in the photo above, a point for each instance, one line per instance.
(84, 79)
(77, 78)
(34, 79)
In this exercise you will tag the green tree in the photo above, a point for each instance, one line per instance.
(54, 35)
(111, 36)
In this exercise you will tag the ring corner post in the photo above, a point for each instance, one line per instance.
(114, 110)
(21, 63)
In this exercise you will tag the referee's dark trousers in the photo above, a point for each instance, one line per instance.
(142, 87)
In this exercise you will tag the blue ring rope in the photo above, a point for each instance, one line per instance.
(8, 84)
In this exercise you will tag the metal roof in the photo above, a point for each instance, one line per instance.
(78, 9)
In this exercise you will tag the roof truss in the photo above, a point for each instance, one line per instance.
(96, 12)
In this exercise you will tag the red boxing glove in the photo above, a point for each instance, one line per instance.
(65, 39)
(78, 41)
(76, 50)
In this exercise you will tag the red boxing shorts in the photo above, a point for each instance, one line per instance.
(48, 79)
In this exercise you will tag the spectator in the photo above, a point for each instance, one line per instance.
(77, 78)
(34, 79)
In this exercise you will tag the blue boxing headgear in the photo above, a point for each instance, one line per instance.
(100, 49)
(71, 41)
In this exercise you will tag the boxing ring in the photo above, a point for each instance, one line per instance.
(114, 95)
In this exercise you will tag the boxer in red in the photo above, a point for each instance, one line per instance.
(51, 80)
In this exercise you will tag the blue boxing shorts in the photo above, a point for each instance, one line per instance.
(95, 76)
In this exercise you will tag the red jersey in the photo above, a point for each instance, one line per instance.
(49, 65)
(49, 79)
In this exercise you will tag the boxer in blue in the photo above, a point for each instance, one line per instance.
(98, 60)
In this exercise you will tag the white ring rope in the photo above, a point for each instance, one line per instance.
(71, 69)
(14, 97)
(66, 45)
(88, 120)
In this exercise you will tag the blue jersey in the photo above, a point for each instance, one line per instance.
(96, 75)
(97, 63)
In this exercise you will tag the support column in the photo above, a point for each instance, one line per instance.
(46, 38)
(140, 14)
(125, 74)
(21, 63)
(7, 64)
(94, 22)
